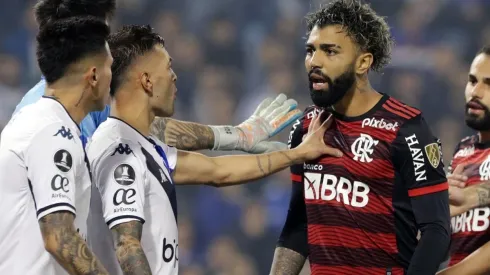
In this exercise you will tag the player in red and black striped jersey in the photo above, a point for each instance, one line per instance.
(470, 167)
(470, 230)
(360, 214)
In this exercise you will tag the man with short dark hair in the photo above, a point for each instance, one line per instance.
(360, 214)
(250, 136)
(136, 174)
(45, 180)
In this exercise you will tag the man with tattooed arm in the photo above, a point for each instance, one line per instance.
(44, 174)
(136, 173)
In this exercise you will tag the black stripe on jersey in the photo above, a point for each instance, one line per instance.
(353, 257)
(55, 205)
(32, 193)
(124, 217)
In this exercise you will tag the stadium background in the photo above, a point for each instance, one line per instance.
(229, 55)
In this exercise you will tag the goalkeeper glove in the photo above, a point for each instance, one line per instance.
(270, 117)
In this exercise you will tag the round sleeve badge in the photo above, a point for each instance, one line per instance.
(124, 174)
(63, 160)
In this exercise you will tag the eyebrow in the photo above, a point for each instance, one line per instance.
(323, 46)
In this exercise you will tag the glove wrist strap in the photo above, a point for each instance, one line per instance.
(226, 138)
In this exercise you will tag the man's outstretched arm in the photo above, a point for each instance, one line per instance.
(464, 199)
(270, 117)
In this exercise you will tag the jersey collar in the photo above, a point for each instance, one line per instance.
(60, 109)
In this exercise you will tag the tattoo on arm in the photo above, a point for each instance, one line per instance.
(129, 252)
(287, 261)
(183, 135)
(260, 166)
(66, 245)
(483, 191)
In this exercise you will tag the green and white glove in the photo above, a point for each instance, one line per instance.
(270, 117)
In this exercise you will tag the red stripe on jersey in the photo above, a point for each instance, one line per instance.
(350, 270)
(391, 110)
(297, 178)
(351, 238)
(376, 169)
(375, 204)
(428, 189)
(403, 107)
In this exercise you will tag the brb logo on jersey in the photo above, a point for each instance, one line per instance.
(362, 148)
(475, 220)
(329, 187)
(380, 124)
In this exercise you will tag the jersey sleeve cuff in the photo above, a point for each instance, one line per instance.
(56, 207)
(122, 219)
(438, 187)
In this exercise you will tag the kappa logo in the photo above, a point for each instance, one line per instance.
(124, 174)
(64, 132)
(363, 148)
(380, 124)
(485, 169)
(433, 153)
(122, 149)
(63, 160)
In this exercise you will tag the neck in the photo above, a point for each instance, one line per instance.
(132, 111)
(359, 100)
(72, 98)
(484, 136)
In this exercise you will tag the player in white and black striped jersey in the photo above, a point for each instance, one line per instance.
(44, 174)
(136, 174)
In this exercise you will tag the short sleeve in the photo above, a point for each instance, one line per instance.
(52, 159)
(417, 157)
(120, 178)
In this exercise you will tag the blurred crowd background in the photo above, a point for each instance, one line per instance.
(231, 54)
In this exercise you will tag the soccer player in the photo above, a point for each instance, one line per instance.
(471, 165)
(250, 136)
(136, 173)
(360, 214)
(44, 174)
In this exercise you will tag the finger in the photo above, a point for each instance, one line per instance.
(326, 124)
(458, 177)
(280, 99)
(332, 152)
(264, 104)
(280, 123)
(459, 169)
(287, 106)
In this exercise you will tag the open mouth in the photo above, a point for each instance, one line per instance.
(319, 82)
(475, 105)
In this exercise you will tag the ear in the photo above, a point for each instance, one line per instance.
(364, 62)
(146, 83)
(92, 77)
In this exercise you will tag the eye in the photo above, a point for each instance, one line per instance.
(330, 52)
(309, 51)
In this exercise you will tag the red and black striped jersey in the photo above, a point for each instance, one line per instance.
(359, 213)
(471, 230)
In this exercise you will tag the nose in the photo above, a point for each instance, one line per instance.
(477, 91)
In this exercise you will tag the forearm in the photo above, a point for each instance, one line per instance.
(230, 170)
(67, 246)
(475, 196)
(131, 258)
(183, 135)
(430, 251)
(287, 261)
(475, 264)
